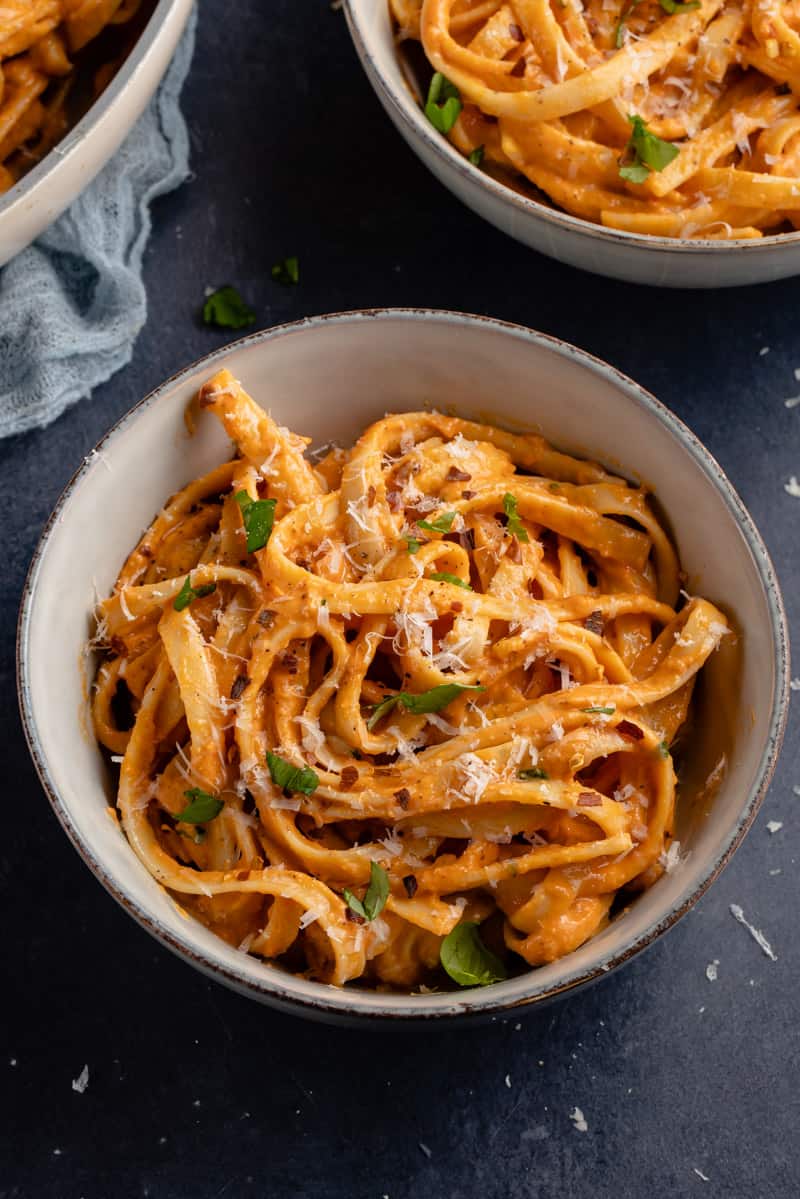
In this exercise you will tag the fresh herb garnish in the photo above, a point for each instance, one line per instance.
(426, 701)
(532, 772)
(663, 749)
(442, 576)
(287, 271)
(443, 104)
(476, 156)
(514, 524)
(258, 517)
(413, 544)
(599, 710)
(442, 524)
(467, 960)
(227, 309)
(188, 593)
(673, 6)
(291, 778)
(201, 808)
(377, 893)
(645, 153)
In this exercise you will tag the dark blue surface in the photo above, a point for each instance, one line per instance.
(195, 1093)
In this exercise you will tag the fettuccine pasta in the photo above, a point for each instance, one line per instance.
(662, 117)
(408, 703)
(39, 42)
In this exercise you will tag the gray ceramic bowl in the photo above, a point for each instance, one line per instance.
(43, 194)
(328, 377)
(635, 257)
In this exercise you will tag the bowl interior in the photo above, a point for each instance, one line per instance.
(328, 378)
(395, 83)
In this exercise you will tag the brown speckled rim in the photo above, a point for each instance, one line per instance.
(418, 127)
(73, 140)
(346, 1006)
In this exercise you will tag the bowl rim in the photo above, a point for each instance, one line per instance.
(74, 138)
(342, 1005)
(473, 176)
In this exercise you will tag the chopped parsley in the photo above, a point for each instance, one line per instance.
(514, 524)
(663, 749)
(467, 960)
(374, 900)
(442, 524)
(476, 156)
(442, 576)
(599, 710)
(413, 544)
(673, 6)
(201, 808)
(287, 271)
(258, 517)
(226, 308)
(443, 104)
(532, 772)
(426, 701)
(291, 778)
(645, 153)
(188, 593)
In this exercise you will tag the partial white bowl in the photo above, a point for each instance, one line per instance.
(43, 194)
(328, 377)
(633, 257)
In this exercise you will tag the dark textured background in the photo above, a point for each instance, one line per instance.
(194, 1092)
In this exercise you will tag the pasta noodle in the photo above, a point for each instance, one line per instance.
(369, 701)
(659, 117)
(39, 42)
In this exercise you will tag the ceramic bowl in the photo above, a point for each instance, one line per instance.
(633, 257)
(43, 194)
(328, 377)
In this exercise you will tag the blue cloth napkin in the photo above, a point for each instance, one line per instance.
(72, 304)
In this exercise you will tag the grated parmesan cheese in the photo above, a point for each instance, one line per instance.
(80, 1083)
(774, 826)
(712, 972)
(578, 1119)
(754, 932)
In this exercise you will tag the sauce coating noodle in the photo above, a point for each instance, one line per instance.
(541, 590)
(39, 40)
(549, 88)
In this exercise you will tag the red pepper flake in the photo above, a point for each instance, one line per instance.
(239, 684)
(266, 618)
(456, 606)
(403, 797)
(594, 623)
(262, 487)
(395, 500)
(468, 495)
(371, 493)
(410, 884)
(454, 475)
(626, 728)
(518, 69)
(588, 799)
(289, 661)
(145, 551)
(349, 776)
(515, 32)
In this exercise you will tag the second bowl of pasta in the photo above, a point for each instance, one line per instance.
(425, 705)
(655, 142)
